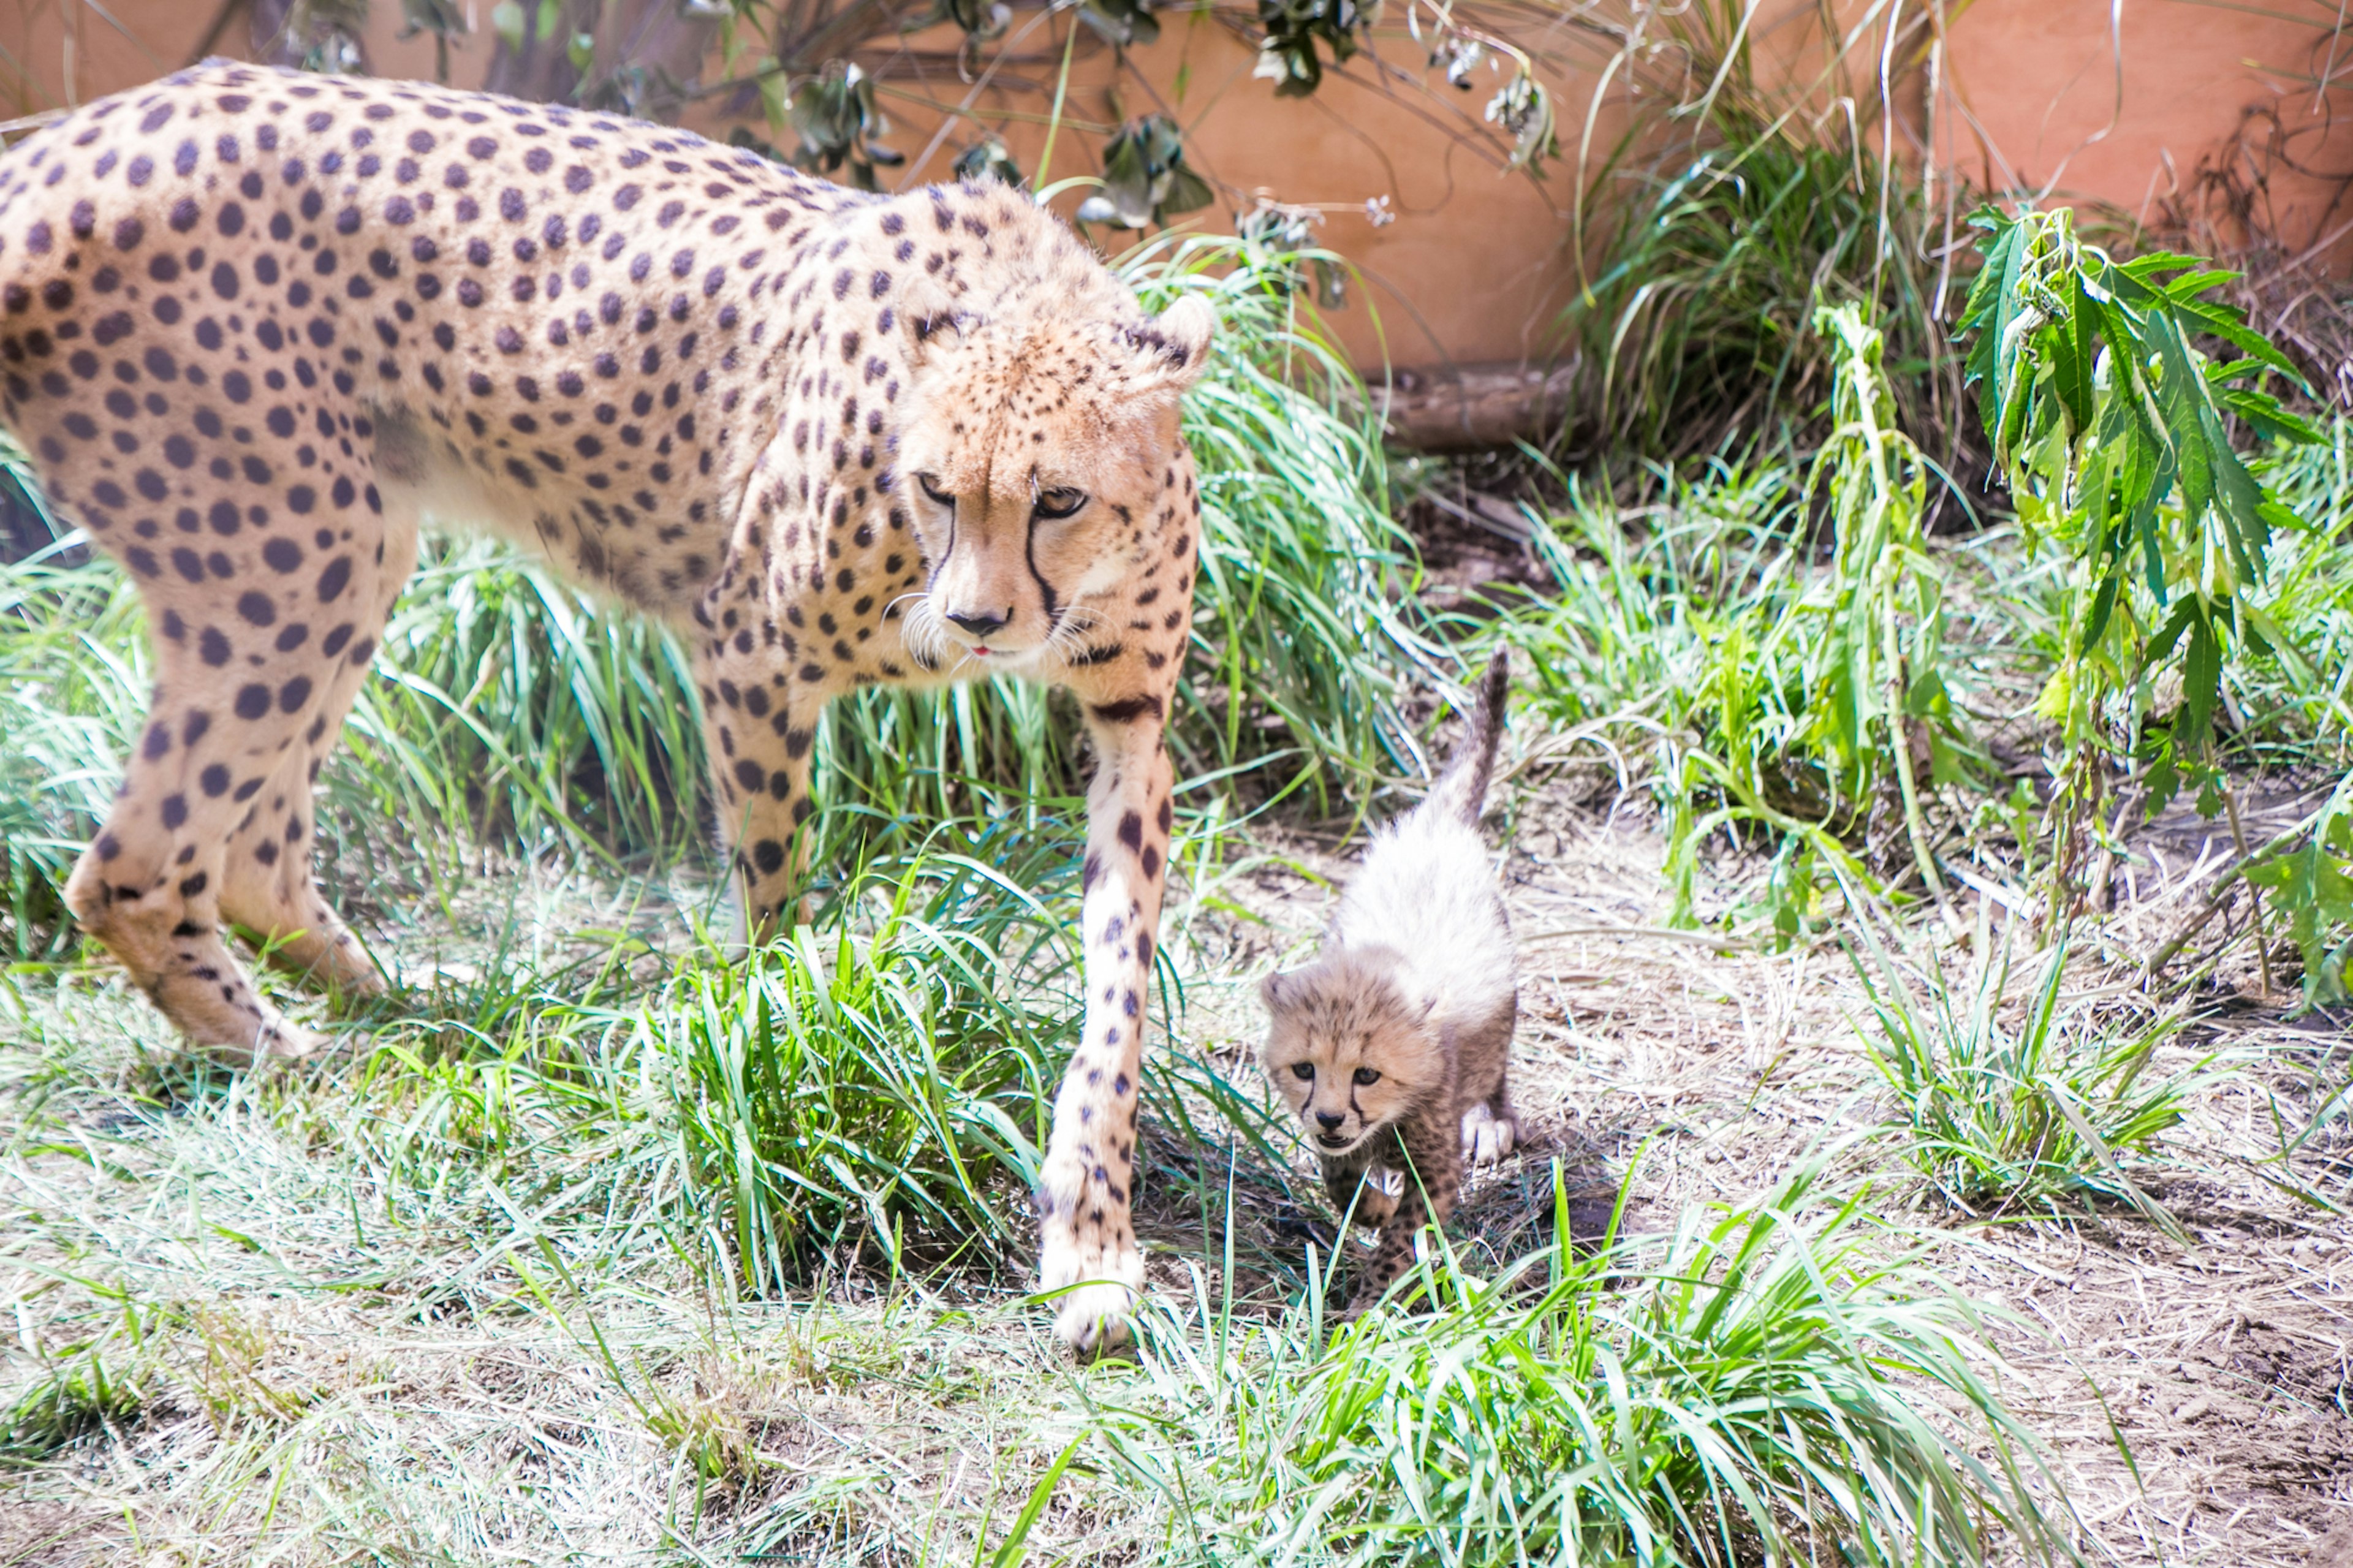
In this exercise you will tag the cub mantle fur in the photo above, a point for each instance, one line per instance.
(258, 326)
(1392, 1047)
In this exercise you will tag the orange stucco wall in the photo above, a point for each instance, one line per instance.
(1466, 261)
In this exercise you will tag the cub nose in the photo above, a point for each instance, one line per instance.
(1331, 1120)
(981, 626)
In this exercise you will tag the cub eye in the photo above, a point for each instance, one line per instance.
(1058, 503)
(1304, 1071)
(1365, 1075)
(932, 488)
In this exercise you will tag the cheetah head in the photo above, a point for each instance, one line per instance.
(1037, 470)
(1349, 1052)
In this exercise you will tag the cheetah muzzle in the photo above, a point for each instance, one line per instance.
(257, 327)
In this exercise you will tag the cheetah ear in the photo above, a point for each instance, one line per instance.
(1172, 349)
(935, 334)
(1271, 992)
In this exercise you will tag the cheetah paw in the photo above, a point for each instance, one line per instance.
(1099, 1290)
(293, 1043)
(1486, 1137)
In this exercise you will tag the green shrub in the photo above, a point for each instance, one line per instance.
(1773, 695)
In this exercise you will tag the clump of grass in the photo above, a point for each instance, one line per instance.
(1749, 1387)
(891, 1083)
(2025, 1118)
(73, 688)
(72, 1391)
(1738, 211)
(510, 708)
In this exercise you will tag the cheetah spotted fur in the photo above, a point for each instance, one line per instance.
(256, 326)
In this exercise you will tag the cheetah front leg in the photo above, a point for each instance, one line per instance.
(1356, 1195)
(1087, 1235)
(1433, 1179)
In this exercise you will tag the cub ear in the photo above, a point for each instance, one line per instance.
(1172, 349)
(1273, 991)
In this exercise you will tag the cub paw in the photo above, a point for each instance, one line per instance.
(1486, 1137)
(1092, 1318)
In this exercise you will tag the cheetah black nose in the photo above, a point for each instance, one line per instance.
(1331, 1120)
(982, 624)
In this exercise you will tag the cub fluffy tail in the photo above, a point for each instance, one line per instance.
(1462, 790)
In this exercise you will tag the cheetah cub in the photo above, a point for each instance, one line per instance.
(1391, 1047)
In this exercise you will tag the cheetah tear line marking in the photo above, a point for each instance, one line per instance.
(257, 327)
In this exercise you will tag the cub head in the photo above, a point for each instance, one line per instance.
(1349, 1053)
(1035, 464)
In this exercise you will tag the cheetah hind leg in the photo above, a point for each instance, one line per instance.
(268, 889)
(170, 943)
(292, 926)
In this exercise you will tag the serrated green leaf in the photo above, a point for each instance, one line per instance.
(2104, 604)
(2073, 345)
(2145, 266)
(2170, 633)
(2266, 418)
(2186, 288)
(2228, 324)
(2201, 684)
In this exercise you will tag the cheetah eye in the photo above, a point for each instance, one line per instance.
(1058, 503)
(1304, 1071)
(1367, 1076)
(932, 488)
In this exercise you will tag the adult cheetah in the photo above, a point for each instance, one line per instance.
(256, 326)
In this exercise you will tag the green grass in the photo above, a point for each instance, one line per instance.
(1747, 1386)
(2023, 1118)
(1750, 686)
(895, 1088)
(606, 1239)
(1735, 212)
(73, 690)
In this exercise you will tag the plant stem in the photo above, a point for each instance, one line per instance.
(1061, 90)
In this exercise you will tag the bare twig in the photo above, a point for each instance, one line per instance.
(2220, 892)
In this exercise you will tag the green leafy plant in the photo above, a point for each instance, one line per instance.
(1801, 703)
(2004, 1119)
(2112, 429)
(838, 123)
(2311, 882)
(1145, 179)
